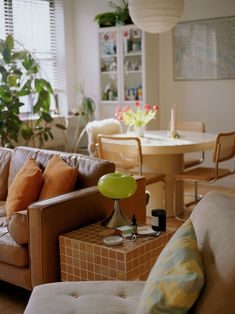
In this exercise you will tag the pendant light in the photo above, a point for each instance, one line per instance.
(156, 16)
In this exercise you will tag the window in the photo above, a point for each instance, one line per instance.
(38, 26)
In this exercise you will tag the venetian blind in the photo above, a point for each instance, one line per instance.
(38, 25)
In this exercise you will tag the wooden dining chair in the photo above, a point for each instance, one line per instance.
(224, 150)
(191, 160)
(126, 153)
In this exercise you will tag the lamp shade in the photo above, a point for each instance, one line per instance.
(117, 185)
(156, 16)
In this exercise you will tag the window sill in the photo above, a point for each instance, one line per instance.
(33, 117)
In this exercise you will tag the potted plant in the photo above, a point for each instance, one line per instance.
(106, 19)
(21, 81)
(121, 12)
(86, 108)
(119, 16)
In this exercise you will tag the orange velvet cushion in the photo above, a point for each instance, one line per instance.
(25, 187)
(59, 178)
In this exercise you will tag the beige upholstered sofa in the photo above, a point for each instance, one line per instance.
(29, 250)
(213, 220)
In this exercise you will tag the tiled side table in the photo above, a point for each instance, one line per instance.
(84, 256)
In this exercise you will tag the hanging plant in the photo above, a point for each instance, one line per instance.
(21, 82)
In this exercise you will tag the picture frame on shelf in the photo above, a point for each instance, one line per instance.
(204, 49)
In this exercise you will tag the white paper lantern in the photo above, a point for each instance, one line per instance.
(156, 16)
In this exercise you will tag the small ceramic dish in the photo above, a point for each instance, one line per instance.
(113, 240)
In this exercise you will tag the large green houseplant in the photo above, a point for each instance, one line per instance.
(21, 82)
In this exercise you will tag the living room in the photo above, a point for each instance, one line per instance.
(207, 100)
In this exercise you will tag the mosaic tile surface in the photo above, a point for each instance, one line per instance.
(84, 255)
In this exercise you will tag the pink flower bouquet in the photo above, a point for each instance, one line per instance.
(139, 117)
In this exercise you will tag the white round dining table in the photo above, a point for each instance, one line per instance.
(165, 155)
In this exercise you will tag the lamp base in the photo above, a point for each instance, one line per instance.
(117, 218)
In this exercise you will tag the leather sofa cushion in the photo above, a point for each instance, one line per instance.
(25, 187)
(18, 227)
(5, 158)
(89, 169)
(59, 178)
(11, 252)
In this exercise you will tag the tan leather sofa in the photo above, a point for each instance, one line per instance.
(29, 250)
(213, 219)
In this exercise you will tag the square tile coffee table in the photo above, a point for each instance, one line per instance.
(84, 255)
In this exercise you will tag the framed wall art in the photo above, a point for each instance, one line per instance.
(204, 49)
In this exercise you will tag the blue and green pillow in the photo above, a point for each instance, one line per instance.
(177, 277)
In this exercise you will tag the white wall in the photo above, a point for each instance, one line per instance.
(86, 62)
(211, 101)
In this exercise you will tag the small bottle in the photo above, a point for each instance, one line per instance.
(133, 225)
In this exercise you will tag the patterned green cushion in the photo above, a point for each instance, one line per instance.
(177, 276)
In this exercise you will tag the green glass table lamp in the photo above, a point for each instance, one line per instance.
(117, 186)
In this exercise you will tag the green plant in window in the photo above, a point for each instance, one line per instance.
(21, 82)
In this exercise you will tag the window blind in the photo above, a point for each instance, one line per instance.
(38, 26)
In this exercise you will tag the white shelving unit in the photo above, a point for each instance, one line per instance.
(127, 66)
(121, 65)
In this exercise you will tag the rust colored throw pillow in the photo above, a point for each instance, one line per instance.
(25, 187)
(59, 178)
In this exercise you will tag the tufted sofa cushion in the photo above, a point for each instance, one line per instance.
(83, 297)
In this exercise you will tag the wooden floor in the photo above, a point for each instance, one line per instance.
(13, 300)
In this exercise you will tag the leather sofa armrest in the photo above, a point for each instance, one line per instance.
(50, 218)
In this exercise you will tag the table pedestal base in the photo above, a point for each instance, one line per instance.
(169, 165)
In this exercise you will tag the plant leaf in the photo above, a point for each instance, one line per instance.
(6, 54)
(28, 62)
(47, 117)
(48, 86)
(26, 132)
(18, 55)
(51, 135)
(10, 42)
(60, 126)
(45, 135)
(39, 85)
